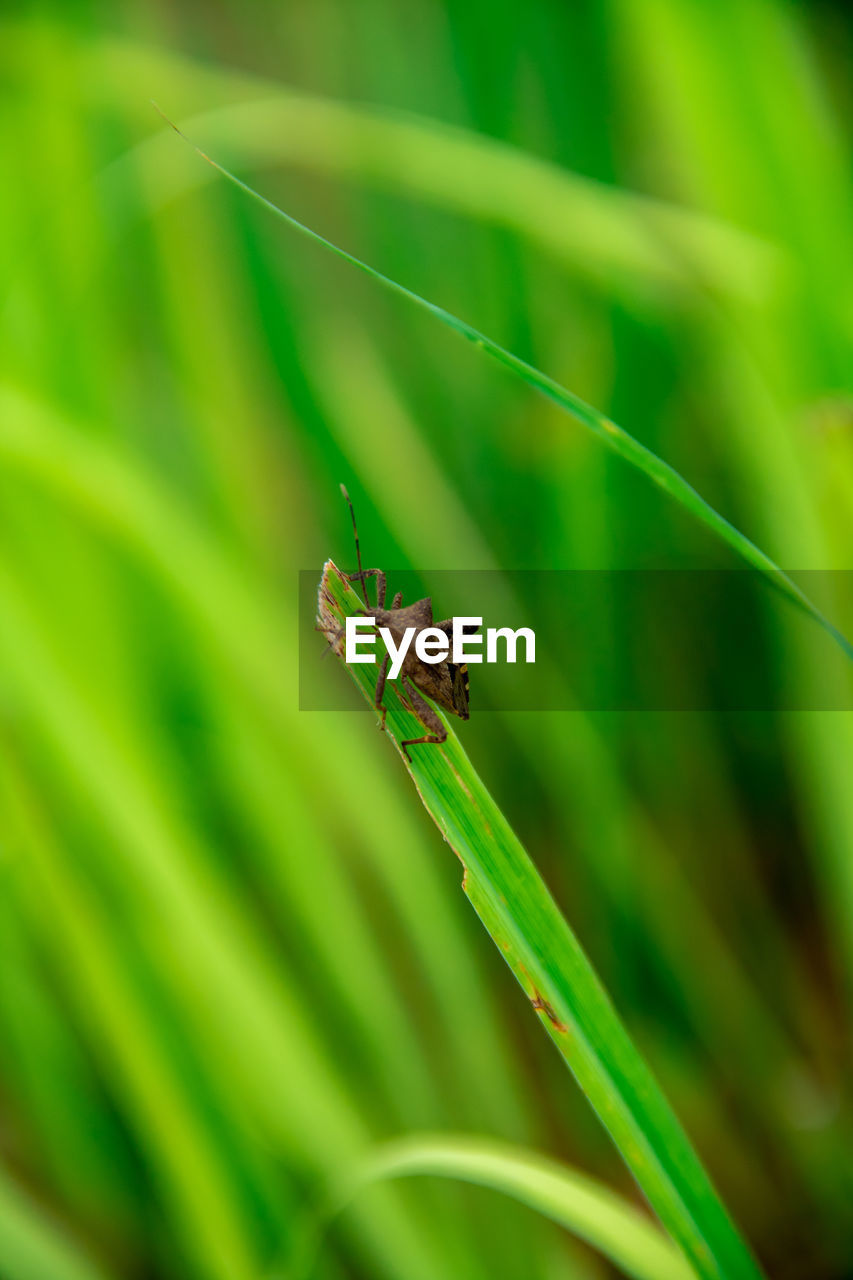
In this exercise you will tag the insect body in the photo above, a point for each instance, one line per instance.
(445, 683)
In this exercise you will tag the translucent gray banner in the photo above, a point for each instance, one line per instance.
(624, 640)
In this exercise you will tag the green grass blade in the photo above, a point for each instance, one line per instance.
(567, 1196)
(523, 920)
(615, 437)
(608, 235)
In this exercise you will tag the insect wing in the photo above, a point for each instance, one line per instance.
(459, 676)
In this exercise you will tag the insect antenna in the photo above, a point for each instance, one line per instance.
(362, 578)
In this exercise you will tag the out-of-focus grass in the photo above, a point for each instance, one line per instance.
(218, 986)
(32, 1247)
(609, 433)
(565, 1195)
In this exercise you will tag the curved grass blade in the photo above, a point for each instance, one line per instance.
(525, 923)
(585, 1207)
(615, 437)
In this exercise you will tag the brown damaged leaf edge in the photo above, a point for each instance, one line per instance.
(517, 910)
(329, 623)
(542, 1006)
(537, 1000)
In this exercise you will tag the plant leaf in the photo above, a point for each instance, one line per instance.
(525, 923)
(615, 437)
(581, 1204)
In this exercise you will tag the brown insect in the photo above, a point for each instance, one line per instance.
(445, 683)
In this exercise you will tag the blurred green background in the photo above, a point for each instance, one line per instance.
(233, 951)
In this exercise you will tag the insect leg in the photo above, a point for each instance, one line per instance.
(428, 718)
(380, 689)
(363, 575)
(383, 672)
(336, 634)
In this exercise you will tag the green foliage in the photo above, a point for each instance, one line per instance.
(617, 439)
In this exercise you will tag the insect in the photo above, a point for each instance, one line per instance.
(445, 683)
